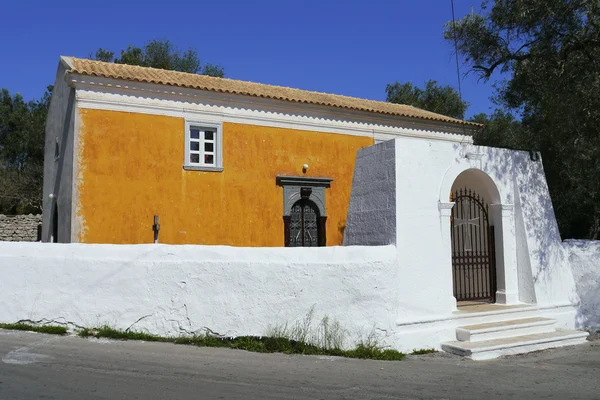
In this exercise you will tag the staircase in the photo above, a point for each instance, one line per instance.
(494, 339)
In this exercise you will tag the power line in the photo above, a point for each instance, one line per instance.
(457, 64)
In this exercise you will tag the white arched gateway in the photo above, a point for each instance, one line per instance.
(481, 237)
(471, 225)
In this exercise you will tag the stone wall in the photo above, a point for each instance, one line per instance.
(19, 228)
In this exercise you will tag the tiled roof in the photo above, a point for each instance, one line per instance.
(203, 82)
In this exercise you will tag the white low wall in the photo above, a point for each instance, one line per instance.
(173, 290)
(584, 256)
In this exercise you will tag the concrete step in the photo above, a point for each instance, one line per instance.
(504, 329)
(489, 349)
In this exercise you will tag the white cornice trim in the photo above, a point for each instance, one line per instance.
(117, 95)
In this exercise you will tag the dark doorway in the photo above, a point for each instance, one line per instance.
(473, 255)
(54, 230)
(303, 225)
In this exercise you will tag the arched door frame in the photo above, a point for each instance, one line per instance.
(503, 215)
(304, 202)
(314, 190)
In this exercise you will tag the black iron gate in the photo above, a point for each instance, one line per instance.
(473, 256)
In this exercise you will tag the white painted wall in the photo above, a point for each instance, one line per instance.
(584, 256)
(170, 290)
(535, 264)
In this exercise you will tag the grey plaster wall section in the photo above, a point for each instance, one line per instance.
(58, 168)
(372, 210)
(19, 228)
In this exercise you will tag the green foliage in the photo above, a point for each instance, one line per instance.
(328, 334)
(423, 351)
(85, 332)
(103, 55)
(22, 130)
(213, 70)
(549, 51)
(435, 98)
(161, 54)
(300, 338)
(501, 129)
(111, 333)
(374, 353)
(50, 329)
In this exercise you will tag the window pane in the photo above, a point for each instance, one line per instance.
(208, 135)
(195, 146)
(195, 133)
(209, 146)
(195, 158)
(209, 159)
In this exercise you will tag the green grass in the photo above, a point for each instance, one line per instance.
(374, 353)
(300, 338)
(423, 351)
(108, 332)
(258, 344)
(50, 329)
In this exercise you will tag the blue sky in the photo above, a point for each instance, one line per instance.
(345, 47)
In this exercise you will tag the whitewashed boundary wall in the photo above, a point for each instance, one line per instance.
(172, 290)
(584, 256)
(19, 228)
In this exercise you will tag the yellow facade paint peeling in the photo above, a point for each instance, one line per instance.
(130, 169)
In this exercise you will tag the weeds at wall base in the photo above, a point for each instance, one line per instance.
(258, 344)
(50, 329)
(417, 352)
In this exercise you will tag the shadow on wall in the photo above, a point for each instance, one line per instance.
(584, 256)
(524, 173)
(520, 178)
(544, 259)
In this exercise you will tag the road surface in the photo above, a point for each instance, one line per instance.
(38, 366)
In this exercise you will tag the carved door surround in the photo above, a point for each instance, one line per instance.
(303, 194)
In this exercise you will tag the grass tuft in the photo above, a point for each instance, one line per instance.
(50, 329)
(301, 337)
(111, 333)
(423, 351)
(375, 353)
(257, 344)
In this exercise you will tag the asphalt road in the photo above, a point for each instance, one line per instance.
(37, 366)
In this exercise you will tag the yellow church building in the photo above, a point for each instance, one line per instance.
(218, 161)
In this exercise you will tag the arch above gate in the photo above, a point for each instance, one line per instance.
(485, 181)
(501, 217)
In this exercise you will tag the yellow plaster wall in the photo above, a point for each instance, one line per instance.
(130, 169)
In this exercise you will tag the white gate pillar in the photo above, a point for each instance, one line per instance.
(506, 255)
(445, 213)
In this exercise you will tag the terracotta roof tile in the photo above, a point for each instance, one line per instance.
(203, 82)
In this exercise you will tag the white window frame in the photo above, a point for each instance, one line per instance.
(217, 148)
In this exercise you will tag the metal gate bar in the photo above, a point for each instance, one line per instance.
(473, 257)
